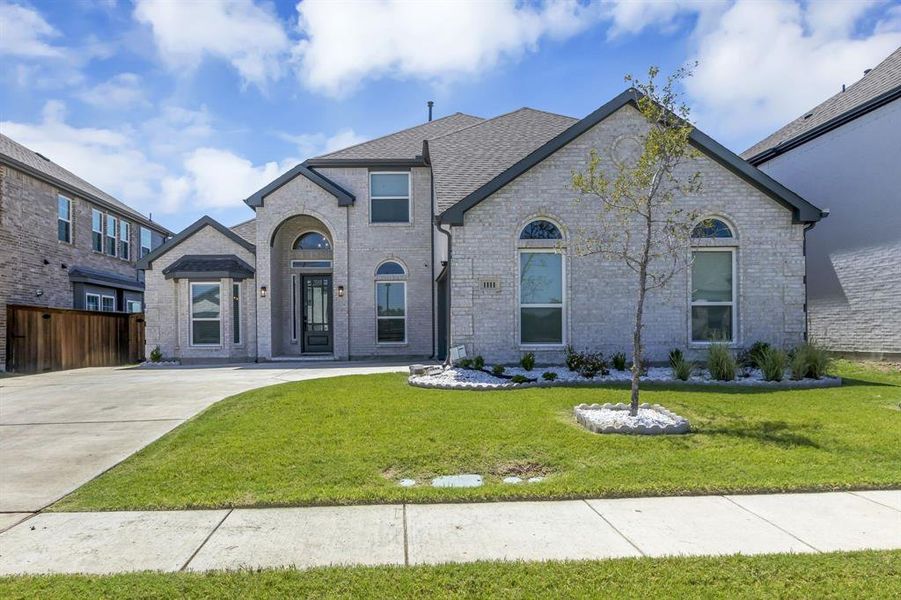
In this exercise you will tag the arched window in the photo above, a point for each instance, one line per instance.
(390, 268)
(711, 228)
(540, 230)
(312, 240)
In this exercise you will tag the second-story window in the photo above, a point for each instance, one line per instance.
(146, 241)
(64, 220)
(96, 230)
(389, 195)
(125, 240)
(111, 222)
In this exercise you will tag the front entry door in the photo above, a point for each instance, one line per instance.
(316, 314)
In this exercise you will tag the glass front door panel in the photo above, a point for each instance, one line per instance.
(317, 313)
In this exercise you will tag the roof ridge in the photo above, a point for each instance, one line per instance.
(387, 135)
(506, 114)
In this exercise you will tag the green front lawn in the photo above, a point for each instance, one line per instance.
(350, 439)
(852, 575)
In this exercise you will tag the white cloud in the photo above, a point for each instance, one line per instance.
(25, 33)
(345, 43)
(249, 37)
(176, 130)
(120, 92)
(106, 158)
(218, 179)
(314, 144)
(766, 63)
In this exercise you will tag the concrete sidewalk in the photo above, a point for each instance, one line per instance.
(438, 533)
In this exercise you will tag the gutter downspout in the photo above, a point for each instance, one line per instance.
(432, 245)
(808, 227)
(449, 283)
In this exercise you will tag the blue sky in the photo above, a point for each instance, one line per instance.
(184, 108)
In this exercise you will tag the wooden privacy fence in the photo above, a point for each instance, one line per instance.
(51, 339)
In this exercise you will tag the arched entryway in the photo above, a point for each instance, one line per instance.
(302, 262)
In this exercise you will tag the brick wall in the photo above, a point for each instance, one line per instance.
(599, 311)
(28, 237)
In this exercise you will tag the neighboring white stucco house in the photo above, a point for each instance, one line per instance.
(845, 155)
(455, 232)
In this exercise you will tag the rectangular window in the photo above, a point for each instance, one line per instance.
(92, 301)
(64, 219)
(540, 298)
(111, 222)
(389, 197)
(124, 240)
(205, 313)
(391, 312)
(96, 230)
(311, 264)
(236, 313)
(293, 308)
(146, 241)
(108, 303)
(133, 306)
(713, 296)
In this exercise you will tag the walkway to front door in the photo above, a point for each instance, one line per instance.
(316, 314)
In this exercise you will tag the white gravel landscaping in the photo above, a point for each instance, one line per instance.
(456, 378)
(652, 419)
(160, 363)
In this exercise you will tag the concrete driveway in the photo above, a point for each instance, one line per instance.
(60, 430)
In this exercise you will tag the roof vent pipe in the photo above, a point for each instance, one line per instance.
(866, 71)
(430, 105)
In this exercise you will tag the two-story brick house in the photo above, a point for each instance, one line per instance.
(65, 243)
(458, 232)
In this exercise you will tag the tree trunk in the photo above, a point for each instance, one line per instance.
(637, 350)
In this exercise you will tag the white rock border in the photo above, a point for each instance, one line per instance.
(436, 377)
(161, 363)
(679, 426)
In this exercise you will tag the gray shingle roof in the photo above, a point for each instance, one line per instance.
(18, 156)
(880, 80)
(404, 144)
(208, 265)
(464, 160)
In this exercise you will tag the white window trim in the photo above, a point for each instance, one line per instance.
(562, 306)
(89, 295)
(409, 198)
(236, 291)
(734, 303)
(141, 241)
(127, 240)
(130, 303)
(379, 318)
(107, 297)
(94, 211)
(69, 220)
(115, 236)
(191, 317)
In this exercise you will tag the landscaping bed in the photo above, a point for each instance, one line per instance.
(351, 440)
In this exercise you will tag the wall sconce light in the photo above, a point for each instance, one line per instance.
(340, 291)
(39, 293)
(263, 292)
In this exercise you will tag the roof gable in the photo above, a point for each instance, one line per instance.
(344, 197)
(187, 232)
(802, 210)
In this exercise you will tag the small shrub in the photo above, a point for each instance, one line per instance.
(519, 378)
(756, 354)
(573, 359)
(465, 363)
(478, 362)
(497, 370)
(619, 361)
(156, 355)
(809, 360)
(528, 361)
(721, 363)
(681, 368)
(772, 362)
(593, 363)
(549, 376)
(675, 357)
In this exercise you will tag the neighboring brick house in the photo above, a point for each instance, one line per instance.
(457, 232)
(845, 155)
(63, 242)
